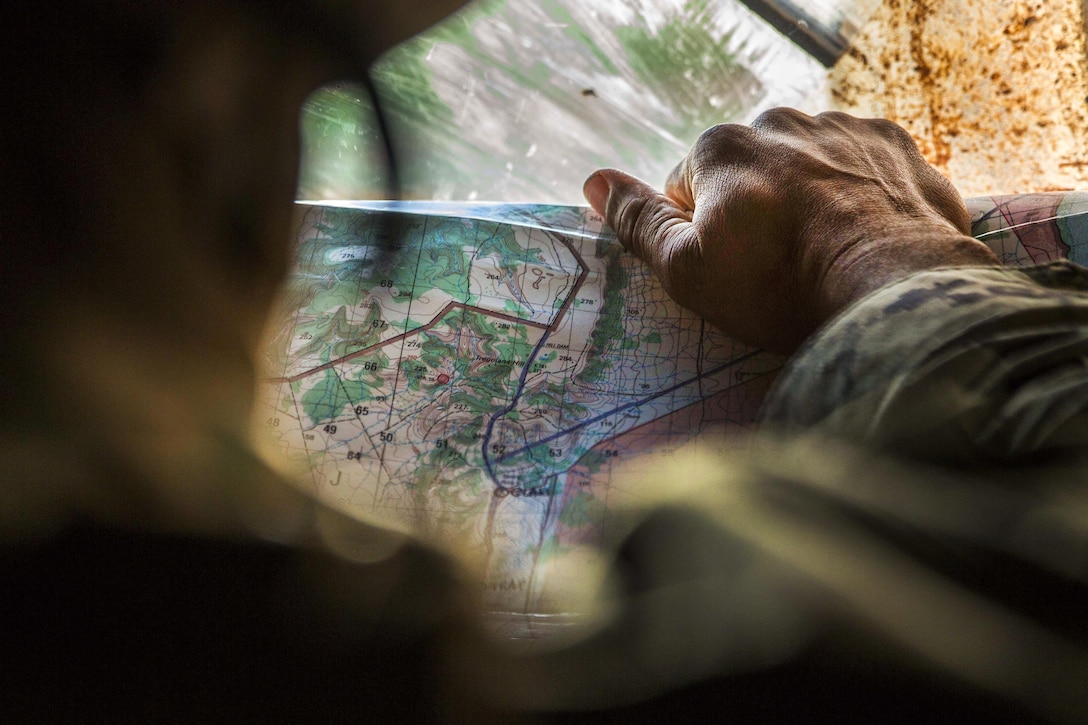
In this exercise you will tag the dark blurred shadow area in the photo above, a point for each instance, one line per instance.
(152, 567)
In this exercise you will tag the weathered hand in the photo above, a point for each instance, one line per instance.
(769, 230)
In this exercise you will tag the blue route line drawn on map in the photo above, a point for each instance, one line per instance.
(513, 402)
(552, 325)
(627, 406)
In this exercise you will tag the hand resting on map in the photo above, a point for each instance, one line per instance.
(771, 229)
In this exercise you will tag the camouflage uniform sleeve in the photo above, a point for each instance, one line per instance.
(955, 366)
(837, 543)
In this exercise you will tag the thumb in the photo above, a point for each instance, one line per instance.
(648, 223)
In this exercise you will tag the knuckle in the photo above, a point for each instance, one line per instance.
(723, 133)
(892, 133)
(648, 226)
(890, 130)
(679, 273)
(722, 142)
(837, 118)
(781, 118)
(880, 128)
(634, 219)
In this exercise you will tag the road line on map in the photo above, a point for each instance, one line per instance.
(450, 307)
(536, 351)
(643, 401)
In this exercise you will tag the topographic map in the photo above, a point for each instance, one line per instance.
(481, 385)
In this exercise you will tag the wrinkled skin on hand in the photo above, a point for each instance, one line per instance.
(769, 230)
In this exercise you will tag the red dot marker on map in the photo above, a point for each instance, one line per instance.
(443, 379)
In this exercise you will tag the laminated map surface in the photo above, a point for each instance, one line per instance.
(486, 385)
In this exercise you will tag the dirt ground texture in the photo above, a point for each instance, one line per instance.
(995, 92)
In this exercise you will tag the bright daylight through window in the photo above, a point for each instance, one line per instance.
(517, 101)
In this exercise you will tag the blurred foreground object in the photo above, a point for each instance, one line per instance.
(153, 566)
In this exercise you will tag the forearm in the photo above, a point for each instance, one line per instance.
(953, 365)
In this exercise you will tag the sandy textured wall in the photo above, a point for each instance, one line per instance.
(994, 91)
